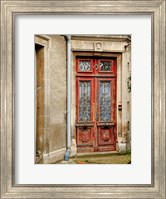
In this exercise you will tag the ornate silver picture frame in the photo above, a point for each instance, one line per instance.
(9, 11)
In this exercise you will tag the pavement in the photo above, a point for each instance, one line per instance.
(99, 159)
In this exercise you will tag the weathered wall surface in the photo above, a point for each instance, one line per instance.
(41, 93)
(92, 45)
(58, 93)
(128, 138)
(40, 98)
(125, 135)
(51, 97)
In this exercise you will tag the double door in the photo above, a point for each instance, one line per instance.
(96, 104)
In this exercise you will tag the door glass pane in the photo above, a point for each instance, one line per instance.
(84, 66)
(105, 101)
(105, 65)
(84, 101)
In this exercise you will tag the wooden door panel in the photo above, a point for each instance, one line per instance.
(84, 136)
(95, 105)
(85, 139)
(106, 138)
(106, 124)
(107, 148)
(85, 123)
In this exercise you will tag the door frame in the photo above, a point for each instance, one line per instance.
(84, 54)
(43, 152)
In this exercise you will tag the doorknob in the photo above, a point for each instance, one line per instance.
(84, 126)
(107, 126)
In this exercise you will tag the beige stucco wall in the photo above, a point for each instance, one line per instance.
(55, 94)
(58, 93)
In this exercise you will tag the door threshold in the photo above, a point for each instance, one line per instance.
(98, 153)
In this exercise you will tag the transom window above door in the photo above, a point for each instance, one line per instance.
(96, 66)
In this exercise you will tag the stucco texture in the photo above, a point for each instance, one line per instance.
(57, 93)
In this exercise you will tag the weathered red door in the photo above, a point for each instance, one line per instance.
(96, 104)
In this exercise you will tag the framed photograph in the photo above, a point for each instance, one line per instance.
(97, 86)
(83, 99)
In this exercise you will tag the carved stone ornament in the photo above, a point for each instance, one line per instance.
(98, 46)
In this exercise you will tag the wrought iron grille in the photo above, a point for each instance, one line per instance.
(84, 101)
(105, 65)
(105, 101)
(84, 65)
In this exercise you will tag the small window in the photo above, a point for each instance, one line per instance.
(84, 65)
(105, 66)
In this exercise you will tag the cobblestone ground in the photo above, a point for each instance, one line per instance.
(103, 159)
